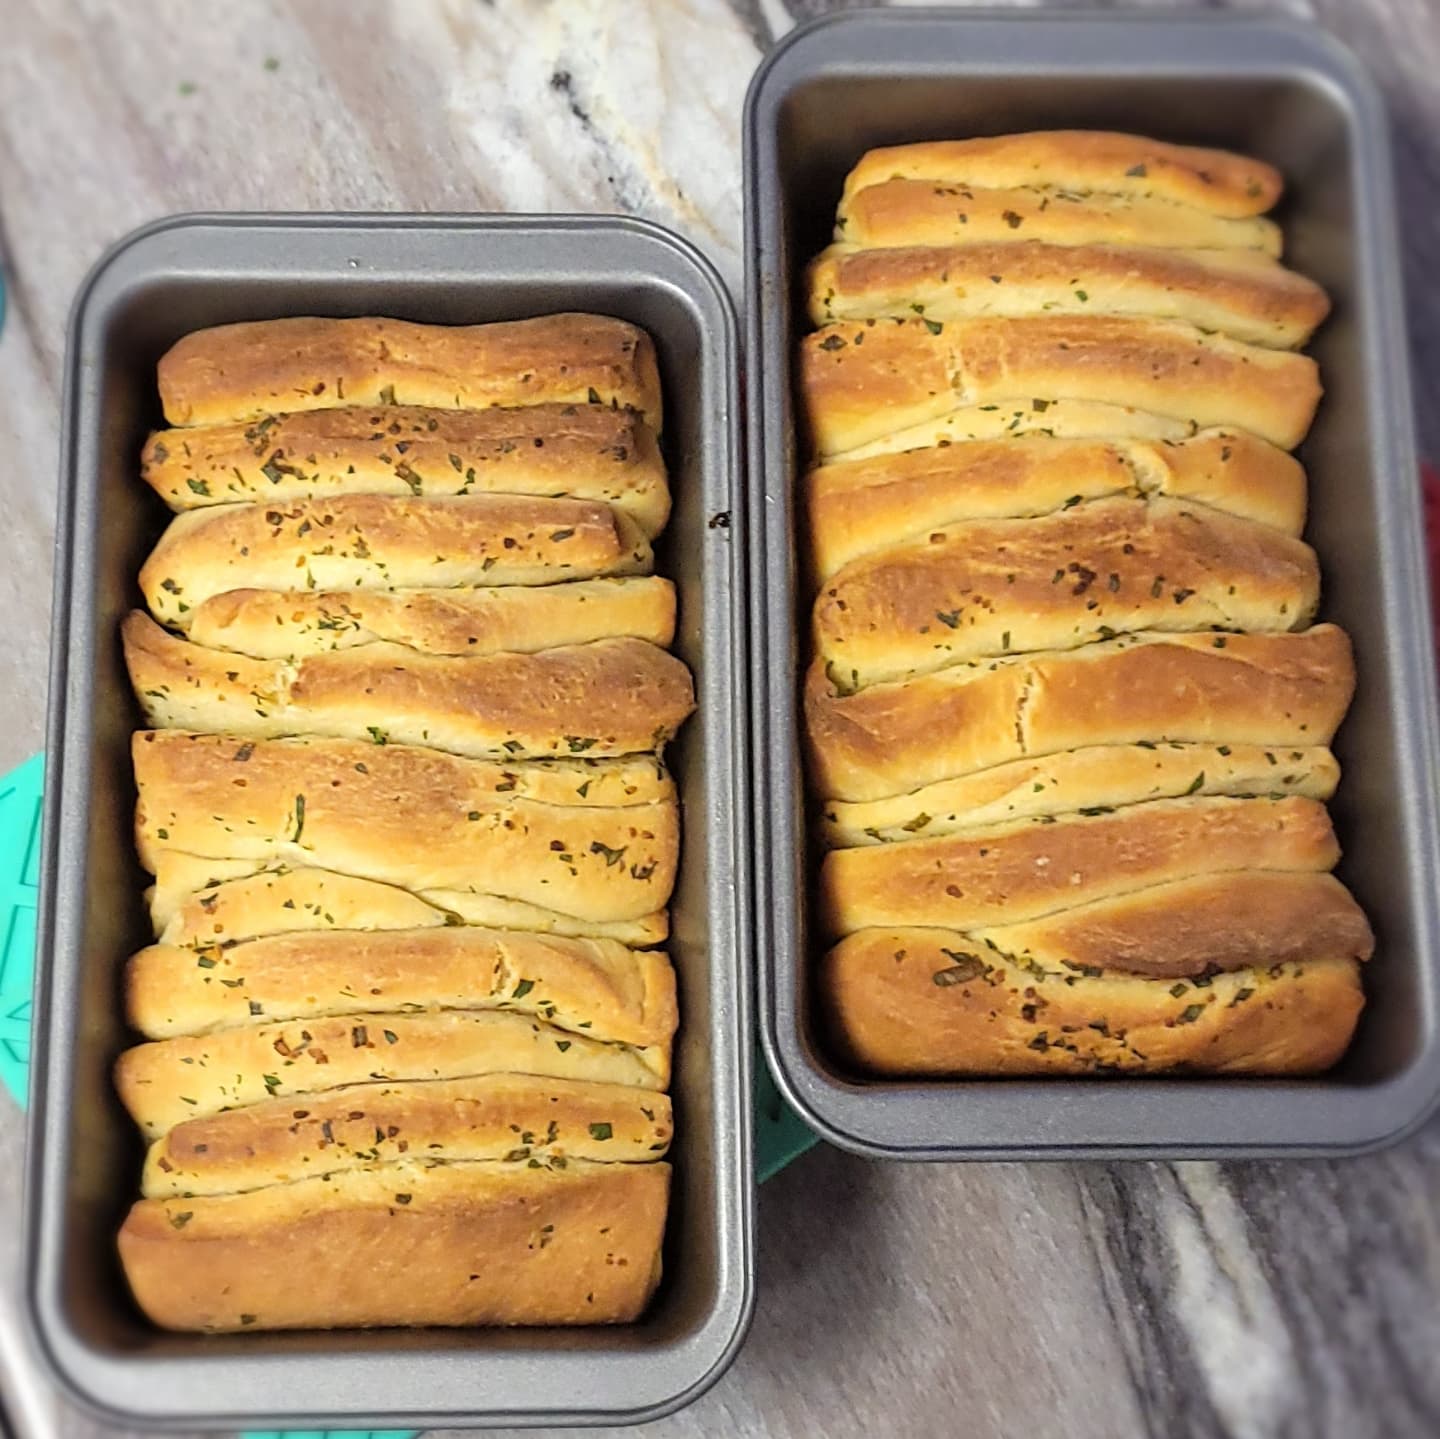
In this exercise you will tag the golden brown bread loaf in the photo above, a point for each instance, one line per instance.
(164, 1082)
(1058, 581)
(1191, 928)
(927, 212)
(379, 542)
(405, 1243)
(254, 897)
(1275, 690)
(910, 1002)
(251, 370)
(856, 506)
(1063, 710)
(1241, 293)
(518, 618)
(512, 1117)
(610, 697)
(1080, 162)
(586, 452)
(595, 840)
(1004, 873)
(863, 379)
(624, 994)
(399, 1040)
(1093, 780)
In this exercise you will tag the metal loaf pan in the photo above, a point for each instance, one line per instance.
(1292, 96)
(85, 1154)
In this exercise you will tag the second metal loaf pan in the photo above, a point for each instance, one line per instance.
(1290, 96)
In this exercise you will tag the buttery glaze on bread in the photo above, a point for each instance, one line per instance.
(1021, 417)
(191, 894)
(1081, 162)
(1192, 928)
(858, 506)
(584, 452)
(167, 1081)
(251, 370)
(1085, 572)
(1093, 780)
(862, 379)
(405, 1243)
(624, 994)
(1241, 293)
(1000, 874)
(378, 542)
(598, 841)
(1275, 690)
(911, 1001)
(284, 901)
(929, 212)
(513, 1117)
(483, 620)
(610, 697)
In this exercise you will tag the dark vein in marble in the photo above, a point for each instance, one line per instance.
(752, 16)
(562, 82)
(1136, 1265)
(1342, 1263)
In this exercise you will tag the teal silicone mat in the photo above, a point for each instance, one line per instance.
(779, 1134)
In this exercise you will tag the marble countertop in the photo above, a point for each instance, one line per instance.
(1221, 1301)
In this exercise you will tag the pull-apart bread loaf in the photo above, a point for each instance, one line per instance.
(1067, 707)
(404, 1028)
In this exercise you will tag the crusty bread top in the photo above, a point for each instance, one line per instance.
(862, 379)
(1192, 928)
(1054, 582)
(606, 989)
(597, 840)
(1240, 293)
(1086, 781)
(376, 776)
(588, 452)
(382, 542)
(250, 370)
(909, 1001)
(1080, 162)
(271, 624)
(858, 506)
(405, 1243)
(924, 212)
(610, 697)
(164, 1082)
(1275, 690)
(507, 1117)
(1001, 874)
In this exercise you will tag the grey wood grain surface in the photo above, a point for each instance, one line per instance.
(1240, 1301)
